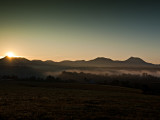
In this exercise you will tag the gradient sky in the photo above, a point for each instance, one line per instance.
(80, 29)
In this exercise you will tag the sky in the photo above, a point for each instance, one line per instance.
(80, 29)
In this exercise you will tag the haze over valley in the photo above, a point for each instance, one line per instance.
(23, 67)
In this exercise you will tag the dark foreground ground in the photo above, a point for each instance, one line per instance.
(63, 101)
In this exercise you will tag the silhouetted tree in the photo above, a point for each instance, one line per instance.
(50, 78)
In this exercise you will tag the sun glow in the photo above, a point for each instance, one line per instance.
(10, 54)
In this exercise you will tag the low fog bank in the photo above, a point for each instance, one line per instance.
(146, 80)
(155, 73)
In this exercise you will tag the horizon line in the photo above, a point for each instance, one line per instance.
(1, 57)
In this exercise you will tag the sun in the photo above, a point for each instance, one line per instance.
(10, 54)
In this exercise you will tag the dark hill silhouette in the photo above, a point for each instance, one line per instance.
(135, 60)
(101, 60)
(37, 67)
(97, 62)
(14, 61)
(107, 62)
(49, 62)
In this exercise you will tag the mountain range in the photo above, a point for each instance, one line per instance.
(97, 62)
(24, 67)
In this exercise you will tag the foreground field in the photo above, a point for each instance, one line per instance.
(44, 100)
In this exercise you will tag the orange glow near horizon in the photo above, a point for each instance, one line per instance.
(10, 54)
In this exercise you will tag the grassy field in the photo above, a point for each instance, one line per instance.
(63, 101)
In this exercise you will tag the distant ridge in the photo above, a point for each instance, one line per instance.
(135, 60)
(23, 67)
(97, 62)
(101, 60)
(15, 60)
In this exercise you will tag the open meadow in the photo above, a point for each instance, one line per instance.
(25, 100)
